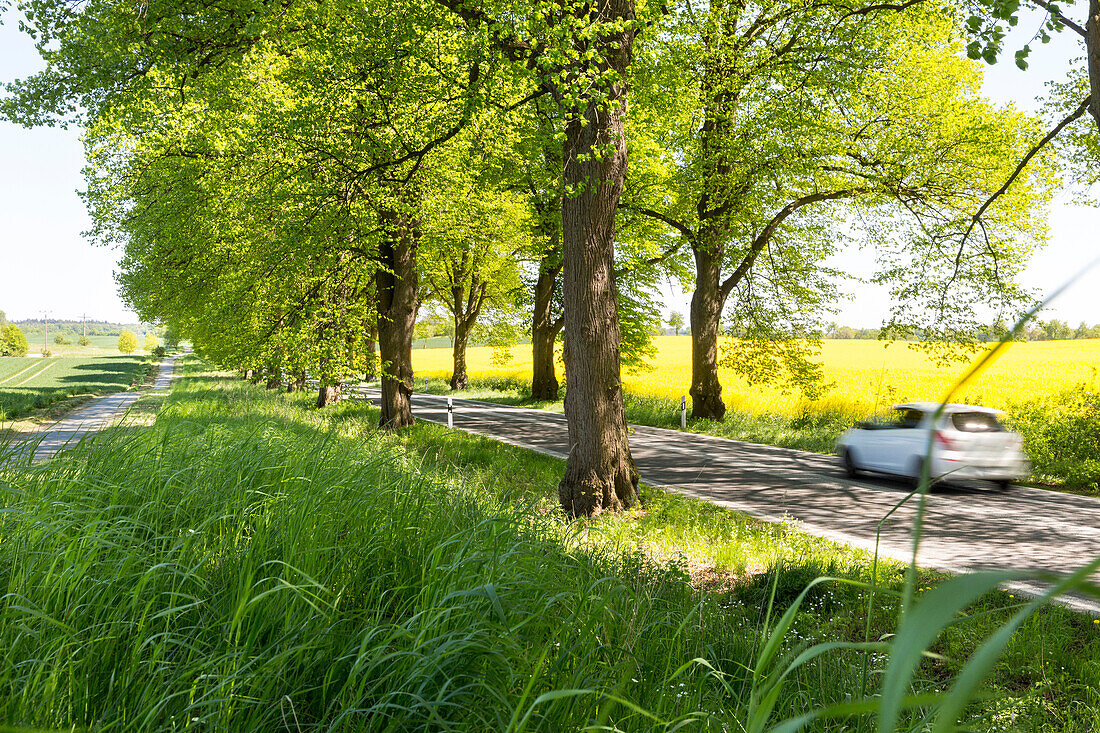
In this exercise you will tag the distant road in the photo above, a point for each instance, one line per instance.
(93, 417)
(968, 526)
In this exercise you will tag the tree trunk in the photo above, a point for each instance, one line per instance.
(257, 376)
(459, 379)
(396, 290)
(599, 473)
(1092, 49)
(298, 384)
(248, 374)
(706, 312)
(328, 395)
(544, 330)
(274, 378)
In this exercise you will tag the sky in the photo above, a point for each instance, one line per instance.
(48, 266)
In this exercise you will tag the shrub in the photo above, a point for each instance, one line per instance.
(159, 352)
(12, 341)
(127, 342)
(46, 353)
(1062, 436)
(84, 341)
(61, 340)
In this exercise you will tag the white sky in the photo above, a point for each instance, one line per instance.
(47, 265)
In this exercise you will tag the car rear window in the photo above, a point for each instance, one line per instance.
(977, 422)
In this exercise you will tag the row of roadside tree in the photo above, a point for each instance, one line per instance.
(291, 181)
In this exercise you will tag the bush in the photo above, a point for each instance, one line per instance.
(60, 340)
(12, 341)
(127, 342)
(84, 341)
(1062, 436)
(46, 353)
(159, 352)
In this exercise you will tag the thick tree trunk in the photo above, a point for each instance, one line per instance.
(459, 379)
(397, 304)
(706, 313)
(599, 473)
(257, 376)
(544, 331)
(328, 395)
(1092, 47)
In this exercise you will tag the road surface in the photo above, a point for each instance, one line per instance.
(968, 526)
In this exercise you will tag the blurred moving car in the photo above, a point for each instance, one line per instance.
(968, 442)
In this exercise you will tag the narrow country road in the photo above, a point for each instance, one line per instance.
(968, 526)
(97, 415)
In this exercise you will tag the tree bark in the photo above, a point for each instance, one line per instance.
(328, 395)
(599, 472)
(274, 378)
(396, 285)
(459, 380)
(1092, 47)
(544, 331)
(257, 376)
(706, 312)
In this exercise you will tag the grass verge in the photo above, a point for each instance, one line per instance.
(248, 563)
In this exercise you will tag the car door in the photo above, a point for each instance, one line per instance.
(898, 443)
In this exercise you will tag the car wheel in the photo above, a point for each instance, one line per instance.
(850, 467)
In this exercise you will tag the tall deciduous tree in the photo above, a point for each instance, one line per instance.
(807, 124)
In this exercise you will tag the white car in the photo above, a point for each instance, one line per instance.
(968, 442)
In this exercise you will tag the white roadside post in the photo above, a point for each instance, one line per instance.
(683, 412)
(450, 412)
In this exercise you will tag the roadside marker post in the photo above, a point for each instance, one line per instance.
(450, 412)
(683, 412)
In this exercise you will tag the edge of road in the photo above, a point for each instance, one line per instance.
(1029, 589)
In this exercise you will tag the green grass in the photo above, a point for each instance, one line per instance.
(249, 563)
(27, 384)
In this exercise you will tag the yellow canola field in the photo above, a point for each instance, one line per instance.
(862, 376)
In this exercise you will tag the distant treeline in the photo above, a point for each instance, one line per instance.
(95, 328)
(1052, 330)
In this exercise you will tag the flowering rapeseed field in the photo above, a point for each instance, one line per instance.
(862, 376)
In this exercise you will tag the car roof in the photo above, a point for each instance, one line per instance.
(949, 407)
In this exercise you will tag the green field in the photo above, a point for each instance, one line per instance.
(30, 383)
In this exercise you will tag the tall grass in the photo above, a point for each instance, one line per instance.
(247, 564)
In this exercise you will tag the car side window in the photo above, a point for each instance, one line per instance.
(907, 417)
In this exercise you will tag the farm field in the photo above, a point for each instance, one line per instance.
(861, 376)
(30, 383)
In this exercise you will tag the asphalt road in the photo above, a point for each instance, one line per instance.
(968, 526)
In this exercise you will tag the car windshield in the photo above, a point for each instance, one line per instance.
(977, 422)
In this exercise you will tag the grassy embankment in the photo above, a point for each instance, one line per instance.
(28, 384)
(248, 563)
(1050, 390)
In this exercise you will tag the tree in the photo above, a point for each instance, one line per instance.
(151, 341)
(471, 267)
(12, 341)
(875, 123)
(676, 321)
(127, 342)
